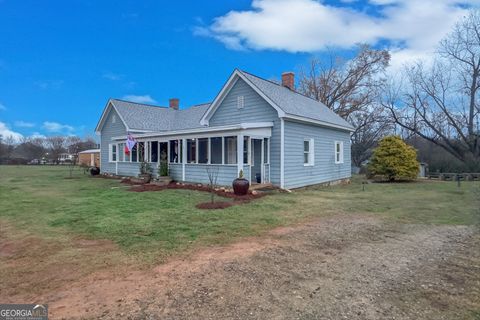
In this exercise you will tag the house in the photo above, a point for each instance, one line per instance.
(65, 158)
(89, 158)
(266, 129)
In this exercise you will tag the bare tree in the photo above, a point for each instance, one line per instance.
(56, 146)
(346, 86)
(212, 173)
(370, 126)
(440, 102)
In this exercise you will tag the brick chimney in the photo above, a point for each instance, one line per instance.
(288, 80)
(174, 103)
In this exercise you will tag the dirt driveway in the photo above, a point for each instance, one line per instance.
(340, 267)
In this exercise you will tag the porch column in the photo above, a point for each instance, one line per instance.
(262, 168)
(239, 153)
(184, 157)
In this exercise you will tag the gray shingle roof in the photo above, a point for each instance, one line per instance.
(294, 103)
(154, 118)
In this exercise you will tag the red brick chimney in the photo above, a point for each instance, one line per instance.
(174, 103)
(288, 80)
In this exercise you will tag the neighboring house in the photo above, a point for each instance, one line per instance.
(65, 158)
(277, 134)
(89, 157)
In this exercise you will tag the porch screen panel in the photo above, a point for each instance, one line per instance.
(216, 152)
(154, 151)
(191, 150)
(203, 150)
(175, 155)
(230, 150)
(134, 152)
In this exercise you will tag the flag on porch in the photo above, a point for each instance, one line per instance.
(130, 143)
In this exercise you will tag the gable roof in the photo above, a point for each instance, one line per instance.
(148, 118)
(289, 104)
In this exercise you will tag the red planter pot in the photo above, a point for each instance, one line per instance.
(240, 186)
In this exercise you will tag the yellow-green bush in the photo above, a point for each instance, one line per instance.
(394, 160)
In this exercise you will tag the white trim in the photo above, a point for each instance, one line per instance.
(262, 166)
(209, 154)
(209, 132)
(237, 74)
(184, 157)
(223, 150)
(240, 153)
(282, 153)
(318, 122)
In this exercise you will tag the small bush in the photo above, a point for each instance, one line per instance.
(394, 160)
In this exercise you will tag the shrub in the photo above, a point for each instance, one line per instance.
(394, 160)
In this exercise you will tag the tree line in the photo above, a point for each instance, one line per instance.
(47, 149)
(434, 105)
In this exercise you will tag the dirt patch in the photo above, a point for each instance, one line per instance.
(338, 267)
(216, 205)
(197, 187)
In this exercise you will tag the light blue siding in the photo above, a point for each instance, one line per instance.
(197, 173)
(129, 169)
(109, 130)
(255, 109)
(175, 171)
(296, 174)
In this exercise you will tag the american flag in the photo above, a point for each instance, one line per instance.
(130, 143)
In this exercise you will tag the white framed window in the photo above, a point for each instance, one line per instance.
(308, 152)
(112, 154)
(240, 102)
(338, 151)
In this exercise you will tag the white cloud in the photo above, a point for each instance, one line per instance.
(412, 27)
(2, 107)
(56, 127)
(24, 124)
(37, 135)
(5, 132)
(49, 84)
(139, 99)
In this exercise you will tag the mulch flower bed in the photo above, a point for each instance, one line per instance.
(237, 200)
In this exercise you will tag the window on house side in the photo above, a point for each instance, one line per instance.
(240, 102)
(338, 152)
(245, 150)
(175, 151)
(113, 153)
(308, 152)
(153, 151)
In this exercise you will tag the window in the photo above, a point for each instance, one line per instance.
(230, 150)
(153, 151)
(175, 151)
(216, 150)
(203, 150)
(141, 151)
(113, 153)
(240, 102)
(308, 153)
(191, 150)
(338, 151)
(121, 153)
(245, 150)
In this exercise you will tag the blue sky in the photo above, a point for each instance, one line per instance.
(60, 61)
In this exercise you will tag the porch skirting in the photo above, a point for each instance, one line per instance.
(197, 173)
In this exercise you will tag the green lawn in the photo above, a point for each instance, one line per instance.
(40, 201)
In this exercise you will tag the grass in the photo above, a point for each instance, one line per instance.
(152, 225)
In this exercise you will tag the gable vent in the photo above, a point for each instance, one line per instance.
(240, 102)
